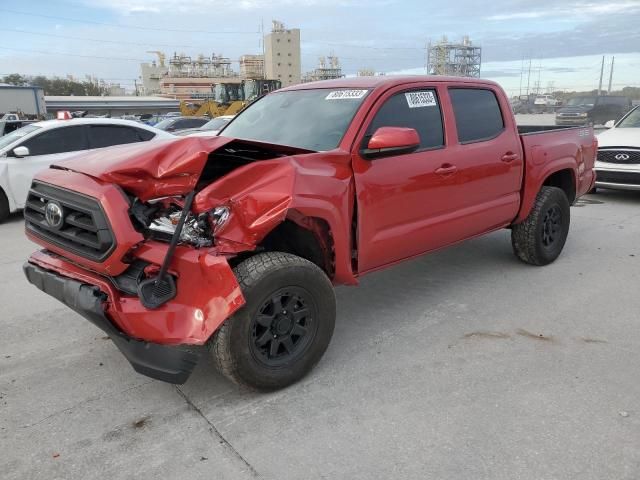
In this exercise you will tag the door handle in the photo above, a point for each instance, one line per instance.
(446, 169)
(509, 157)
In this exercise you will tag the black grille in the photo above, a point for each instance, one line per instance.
(84, 230)
(628, 178)
(624, 156)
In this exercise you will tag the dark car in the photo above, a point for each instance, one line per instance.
(175, 124)
(593, 110)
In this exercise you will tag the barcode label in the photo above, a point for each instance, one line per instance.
(345, 94)
(420, 99)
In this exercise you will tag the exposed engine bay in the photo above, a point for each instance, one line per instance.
(159, 217)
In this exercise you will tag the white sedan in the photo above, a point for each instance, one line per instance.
(618, 162)
(34, 147)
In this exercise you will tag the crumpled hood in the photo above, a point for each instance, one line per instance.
(149, 169)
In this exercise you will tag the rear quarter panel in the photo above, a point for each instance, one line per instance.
(548, 152)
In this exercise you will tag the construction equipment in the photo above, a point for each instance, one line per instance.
(228, 98)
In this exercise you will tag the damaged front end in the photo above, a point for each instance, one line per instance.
(144, 246)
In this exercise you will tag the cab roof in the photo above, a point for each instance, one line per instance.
(385, 81)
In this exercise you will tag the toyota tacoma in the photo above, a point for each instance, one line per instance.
(231, 245)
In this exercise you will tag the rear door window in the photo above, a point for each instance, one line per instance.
(108, 135)
(58, 140)
(477, 113)
(417, 109)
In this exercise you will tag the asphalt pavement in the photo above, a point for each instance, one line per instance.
(463, 364)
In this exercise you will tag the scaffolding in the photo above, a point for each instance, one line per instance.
(328, 68)
(181, 65)
(454, 59)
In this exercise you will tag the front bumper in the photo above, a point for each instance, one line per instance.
(169, 363)
(617, 178)
(163, 343)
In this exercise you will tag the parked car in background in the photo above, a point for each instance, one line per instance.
(175, 124)
(36, 146)
(209, 129)
(233, 242)
(593, 110)
(544, 103)
(618, 162)
(11, 122)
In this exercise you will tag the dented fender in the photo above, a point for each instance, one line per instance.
(258, 196)
(261, 195)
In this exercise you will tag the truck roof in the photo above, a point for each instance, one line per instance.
(385, 81)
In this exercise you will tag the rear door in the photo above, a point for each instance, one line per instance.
(489, 153)
(44, 149)
(101, 136)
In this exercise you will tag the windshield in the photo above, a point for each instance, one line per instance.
(309, 119)
(632, 120)
(16, 135)
(215, 124)
(581, 102)
(164, 123)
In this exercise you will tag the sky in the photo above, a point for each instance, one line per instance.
(564, 39)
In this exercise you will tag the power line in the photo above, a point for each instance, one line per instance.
(101, 40)
(131, 27)
(82, 56)
(71, 54)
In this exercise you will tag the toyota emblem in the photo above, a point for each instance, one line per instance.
(622, 157)
(53, 215)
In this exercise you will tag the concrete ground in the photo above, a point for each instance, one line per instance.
(464, 364)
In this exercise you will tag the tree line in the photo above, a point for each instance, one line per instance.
(56, 86)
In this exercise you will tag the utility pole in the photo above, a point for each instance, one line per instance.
(521, 73)
(264, 60)
(601, 74)
(528, 77)
(613, 59)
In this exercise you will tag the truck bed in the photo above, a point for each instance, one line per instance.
(534, 129)
(551, 148)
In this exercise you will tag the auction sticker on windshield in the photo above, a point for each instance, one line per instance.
(345, 94)
(420, 99)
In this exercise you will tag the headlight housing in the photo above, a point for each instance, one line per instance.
(198, 231)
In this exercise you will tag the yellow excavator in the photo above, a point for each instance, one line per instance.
(229, 98)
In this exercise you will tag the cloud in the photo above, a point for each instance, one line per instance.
(575, 9)
(126, 7)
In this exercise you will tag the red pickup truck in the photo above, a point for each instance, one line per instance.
(232, 243)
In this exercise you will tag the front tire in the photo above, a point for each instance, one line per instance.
(540, 238)
(284, 328)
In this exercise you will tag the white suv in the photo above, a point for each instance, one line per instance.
(33, 147)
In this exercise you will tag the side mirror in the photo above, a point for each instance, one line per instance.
(610, 124)
(387, 141)
(21, 152)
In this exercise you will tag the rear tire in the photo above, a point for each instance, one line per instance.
(4, 206)
(540, 238)
(284, 328)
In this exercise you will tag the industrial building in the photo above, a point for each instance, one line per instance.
(252, 66)
(328, 68)
(454, 59)
(282, 54)
(27, 101)
(185, 78)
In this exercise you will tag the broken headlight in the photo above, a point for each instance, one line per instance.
(197, 230)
